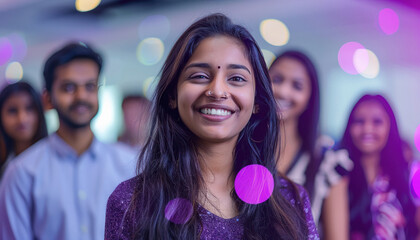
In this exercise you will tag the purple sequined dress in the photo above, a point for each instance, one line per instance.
(214, 227)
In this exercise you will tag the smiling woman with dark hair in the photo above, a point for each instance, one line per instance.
(380, 202)
(213, 114)
(306, 157)
(22, 121)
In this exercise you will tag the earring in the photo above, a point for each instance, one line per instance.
(256, 109)
(172, 104)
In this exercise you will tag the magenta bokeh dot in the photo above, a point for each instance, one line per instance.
(254, 184)
(6, 50)
(178, 210)
(417, 138)
(388, 21)
(415, 182)
(346, 55)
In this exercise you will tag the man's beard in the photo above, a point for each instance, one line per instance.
(69, 122)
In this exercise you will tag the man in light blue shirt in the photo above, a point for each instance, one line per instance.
(58, 188)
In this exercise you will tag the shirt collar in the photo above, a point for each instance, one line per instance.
(65, 150)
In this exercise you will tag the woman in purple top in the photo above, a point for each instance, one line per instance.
(213, 114)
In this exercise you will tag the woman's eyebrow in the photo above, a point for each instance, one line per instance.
(238, 66)
(206, 65)
(200, 65)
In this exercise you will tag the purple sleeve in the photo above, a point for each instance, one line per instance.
(306, 203)
(117, 226)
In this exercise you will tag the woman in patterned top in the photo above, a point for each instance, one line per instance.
(380, 203)
(213, 114)
(306, 157)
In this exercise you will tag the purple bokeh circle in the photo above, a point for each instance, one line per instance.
(388, 21)
(346, 57)
(254, 184)
(415, 182)
(179, 210)
(6, 50)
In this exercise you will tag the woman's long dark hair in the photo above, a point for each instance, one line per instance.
(309, 119)
(168, 166)
(5, 94)
(392, 164)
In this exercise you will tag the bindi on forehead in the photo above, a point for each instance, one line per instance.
(218, 67)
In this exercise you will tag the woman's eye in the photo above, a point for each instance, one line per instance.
(298, 86)
(30, 108)
(277, 79)
(12, 110)
(198, 76)
(377, 121)
(358, 121)
(237, 79)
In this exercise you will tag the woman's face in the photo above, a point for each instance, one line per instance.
(216, 90)
(370, 128)
(19, 117)
(291, 87)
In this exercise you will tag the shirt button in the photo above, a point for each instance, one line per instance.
(83, 228)
(82, 195)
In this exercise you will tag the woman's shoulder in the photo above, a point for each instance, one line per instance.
(293, 192)
(124, 191)
(298, 197)
(116, 210)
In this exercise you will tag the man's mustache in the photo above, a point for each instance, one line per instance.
(80, 104)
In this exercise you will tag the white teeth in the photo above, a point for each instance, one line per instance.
(213, 111)
(368, 137)
(283, 103)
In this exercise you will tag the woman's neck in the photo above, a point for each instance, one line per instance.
(370, 164)
(290, 143)
(216, 162)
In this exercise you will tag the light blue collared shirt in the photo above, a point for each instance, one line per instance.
(48, 192)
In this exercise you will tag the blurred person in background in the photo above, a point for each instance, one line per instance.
(305, 156)
(136, 112)
(58, 188)
(380, 202)
(22, 121)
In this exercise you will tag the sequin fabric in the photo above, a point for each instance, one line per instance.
(214, 227)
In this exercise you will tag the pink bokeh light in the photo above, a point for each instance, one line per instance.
(254, 184)
(415, 183)
(179, 210)
(346, 57)
(6, 50)
(388, 21)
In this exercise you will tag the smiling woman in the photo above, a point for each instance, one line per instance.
(22, 121)
(213, 115)
(380, 202)
(214, 102)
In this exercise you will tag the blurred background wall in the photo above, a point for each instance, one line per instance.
(358, 46)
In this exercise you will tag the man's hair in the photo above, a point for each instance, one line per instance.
(68, 53)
